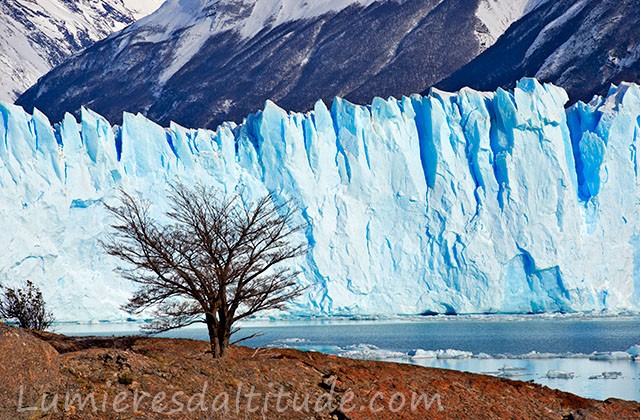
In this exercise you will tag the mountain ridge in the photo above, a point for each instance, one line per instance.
(205, 71)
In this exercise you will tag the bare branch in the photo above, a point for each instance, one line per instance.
(249, 337)
(172, 315)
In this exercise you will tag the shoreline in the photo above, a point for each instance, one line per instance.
(284, 320)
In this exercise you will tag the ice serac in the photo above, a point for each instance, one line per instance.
(471, 202)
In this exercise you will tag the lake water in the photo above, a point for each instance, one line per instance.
(520, 348)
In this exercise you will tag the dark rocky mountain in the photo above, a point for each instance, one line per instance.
(201, 62)
(583, 46)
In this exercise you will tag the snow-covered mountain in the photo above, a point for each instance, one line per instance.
(582, 45)
(36, 35)
(201, 62)
(498, 15)
(450, 203)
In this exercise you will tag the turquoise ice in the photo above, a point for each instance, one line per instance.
(472, 202)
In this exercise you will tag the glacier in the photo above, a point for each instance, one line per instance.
(473, 202)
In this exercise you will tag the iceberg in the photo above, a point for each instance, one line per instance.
(559, 374)
(634, 352)
(473, 202)
(422, 354)
(370, 352)
(610, 355)
(607, 375)
(442, 354)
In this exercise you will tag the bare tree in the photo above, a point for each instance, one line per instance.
(27, 307)
(217, 259)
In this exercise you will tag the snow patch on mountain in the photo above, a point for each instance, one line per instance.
(37, 35)
(248, 17)
(142, 8)
(276, 12)
(497, 15)
(195, 21)
(548, 31)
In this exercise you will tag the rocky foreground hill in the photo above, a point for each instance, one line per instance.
(53, 376)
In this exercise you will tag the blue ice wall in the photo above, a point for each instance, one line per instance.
(471, 202)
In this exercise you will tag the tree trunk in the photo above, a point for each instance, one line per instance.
(218, 347)
(223, 338)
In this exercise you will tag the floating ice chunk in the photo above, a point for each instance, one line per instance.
(294, 340)
(507, 371)
(441, 354)
(482, 356)
(559, 374)
(423, 354)
(536, 355)
(370, 352)
(508, 368)
(492, 373)
(513, 373)
(634, 351)
(607, 375)
(453, 354)
(610, 355)
(361, 346)
(574, 356)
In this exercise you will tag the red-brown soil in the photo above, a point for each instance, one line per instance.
(143, 378)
